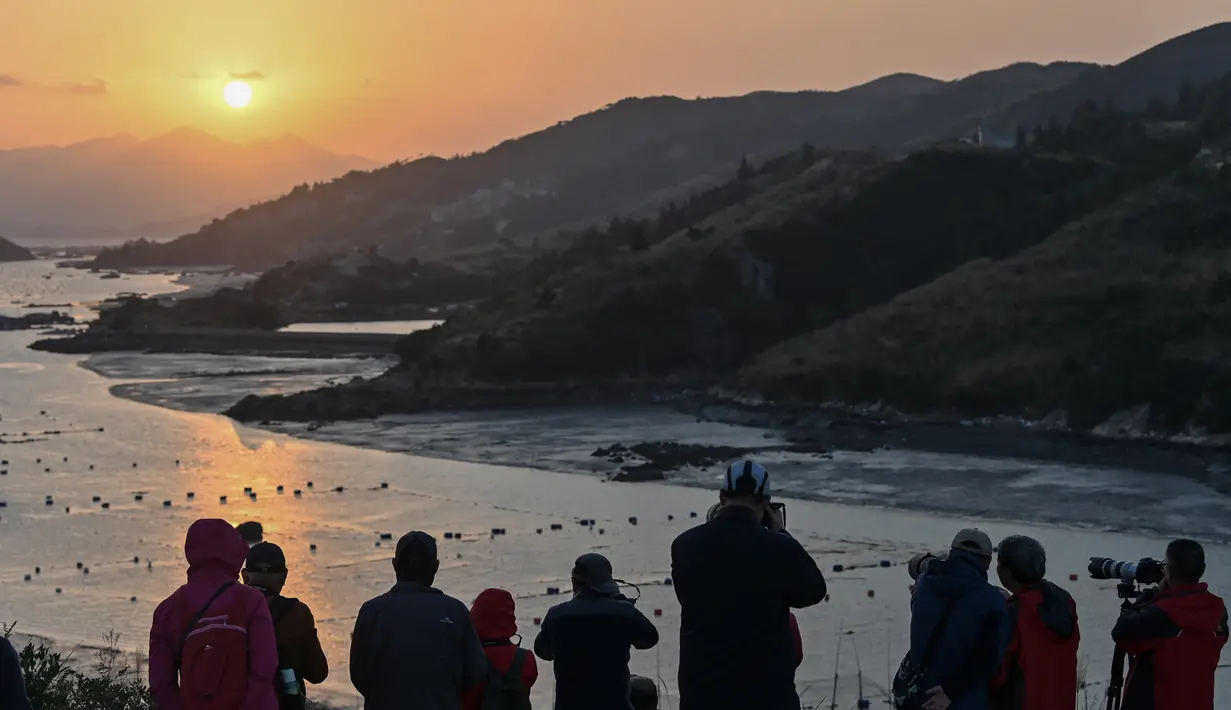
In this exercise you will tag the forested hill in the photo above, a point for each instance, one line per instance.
(629, 157)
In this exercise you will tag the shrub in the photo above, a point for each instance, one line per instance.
(53, 682)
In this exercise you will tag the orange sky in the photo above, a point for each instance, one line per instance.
(395, 78)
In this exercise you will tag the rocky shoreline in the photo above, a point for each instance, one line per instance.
(807, 428)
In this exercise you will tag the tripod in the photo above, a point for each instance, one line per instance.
(1115, 685)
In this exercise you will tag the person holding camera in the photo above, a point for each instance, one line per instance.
(1040, 666)
(588, 639)
(1174, 635)
(958, 629)
(737, 577)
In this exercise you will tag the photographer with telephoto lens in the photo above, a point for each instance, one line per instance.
(1173, 634)
(958, 630)
(737, 576)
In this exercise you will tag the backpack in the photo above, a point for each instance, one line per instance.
(907, 695)
(213, 656)
(278, 608)
(505, 691)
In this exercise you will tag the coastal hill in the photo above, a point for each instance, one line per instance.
(1154, 76)
(1078, 275)
(13, 252)
(629, 158)
(118, 187)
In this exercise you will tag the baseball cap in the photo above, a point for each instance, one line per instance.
(416, 545)
(746, 478)
(975, 541)
(265, 557)
(594, 571)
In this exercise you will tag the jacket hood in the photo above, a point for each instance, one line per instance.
(1193, 607)
(958, 574)
(212, 543)
(493, 615)
(1054, 607)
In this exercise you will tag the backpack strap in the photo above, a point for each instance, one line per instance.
(179, 655)
(515, 668)
(925, 658)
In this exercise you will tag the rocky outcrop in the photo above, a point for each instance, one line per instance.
(12, 252)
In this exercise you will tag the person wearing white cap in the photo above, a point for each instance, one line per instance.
(737, 577)
(958, 630)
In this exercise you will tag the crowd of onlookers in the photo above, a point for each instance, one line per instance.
(219, 644)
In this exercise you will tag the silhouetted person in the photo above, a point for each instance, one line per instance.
(251, 532)
(12, 687)
(958, 616)
(511, 670)
(300, 657)
(1039, 671)
(414, 646)
(737, 577)
(1175, 636)
(194, 659)
(590, 637)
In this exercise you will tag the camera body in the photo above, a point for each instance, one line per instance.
(1145, 571)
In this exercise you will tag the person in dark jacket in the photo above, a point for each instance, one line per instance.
(494, 618)
(414, 646)
(299, 649)
(12, 687)
(1039, 671)
(1174, 636)
(971, 643)
(737, 577)
(589, 639)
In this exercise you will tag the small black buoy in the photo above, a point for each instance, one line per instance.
(134, 464)
(309, 484)
(886, 563)
(57, 590)
(557, 526)
(106, 506)
(693, 514)
(136, 560)
(312, 547)
(27, 578)
(222, 500)
(837, 568)
(670, 517)
(132, 599)
(4, 472)
(96, 498)
(50, 502)
(538, 531)
(448, 536)
(86, 570)
(339, 489)
(252, 496)
(38, 570)
(65, 459)
(67, 510)
(177, 462)
(37, 460)
(378, 543)
(386, 536)
(633, 520)
(298, 493)
(601, 531)
(383, 485)
(46, 470)
(79, 565)
(138, 497)
(166, 504)
(280, 489)
(247, 490)
(91, 467)
(191, 495)
(4, 504)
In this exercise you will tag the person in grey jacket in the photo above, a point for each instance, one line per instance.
(12, 687)
(414, 646)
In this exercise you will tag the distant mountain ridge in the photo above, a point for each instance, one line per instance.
(125, 186)
(630, 156)
(637, 155)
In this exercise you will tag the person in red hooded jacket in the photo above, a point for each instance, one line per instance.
(493, 614)
(1174, 636)
(215, 554)
(1039, 671)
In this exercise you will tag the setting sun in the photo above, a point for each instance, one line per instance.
(237, 94)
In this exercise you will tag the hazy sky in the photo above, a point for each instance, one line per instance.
(395, 78)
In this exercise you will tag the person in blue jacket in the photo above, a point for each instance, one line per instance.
(12, 688)
(972, 641)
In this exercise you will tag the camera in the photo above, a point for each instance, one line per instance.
(781, 508)
(1146, 571)
(919, 564)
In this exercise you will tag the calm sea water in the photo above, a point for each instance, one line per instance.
(69, 437)
(395, 327)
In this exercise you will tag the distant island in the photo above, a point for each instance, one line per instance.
(12, 252)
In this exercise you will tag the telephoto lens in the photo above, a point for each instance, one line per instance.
(1146, 571)
(919, 564)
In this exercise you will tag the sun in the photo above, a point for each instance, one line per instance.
(237, 94)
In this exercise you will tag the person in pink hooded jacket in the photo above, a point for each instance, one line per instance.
(215, 554)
